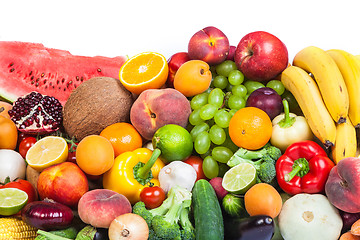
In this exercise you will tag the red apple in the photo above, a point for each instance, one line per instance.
(231, 54)
(209, 45)
(261, 56)
(64, 183)
(343, 185)
(174, 62)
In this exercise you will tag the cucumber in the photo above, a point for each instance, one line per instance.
(208, 217)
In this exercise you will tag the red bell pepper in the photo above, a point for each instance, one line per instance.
(303, 168)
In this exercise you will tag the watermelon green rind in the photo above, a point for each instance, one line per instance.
(26, 67)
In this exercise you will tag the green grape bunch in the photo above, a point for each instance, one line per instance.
(213, 109)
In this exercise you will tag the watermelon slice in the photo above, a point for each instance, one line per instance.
(27, 67)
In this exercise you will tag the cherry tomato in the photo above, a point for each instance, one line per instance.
(25, 144)
(197, 163)
(153, 196)
(24, 185)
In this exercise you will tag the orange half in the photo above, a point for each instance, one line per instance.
(147, 70)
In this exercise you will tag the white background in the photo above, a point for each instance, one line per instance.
(112, 28)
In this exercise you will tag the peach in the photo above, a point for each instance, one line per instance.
(342, 187)
(210, 45)
(155, 108)
(64, 183)
(99, 207)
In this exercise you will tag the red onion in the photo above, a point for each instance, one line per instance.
(47, 215)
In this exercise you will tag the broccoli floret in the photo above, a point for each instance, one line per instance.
(167, 226)
(140, 209)
(165, 206)
(267, 172)
(153, 236)
(187, 229)
(265, 153)
(272, 151)
(167, 221)
(263, 160)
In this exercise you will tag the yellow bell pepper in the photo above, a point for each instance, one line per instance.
(132, 171)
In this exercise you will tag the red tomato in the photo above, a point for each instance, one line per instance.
(25, 144)
(196, 162)
(153, 197)
(24, 185)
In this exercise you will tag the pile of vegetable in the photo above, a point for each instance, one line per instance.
(204, 149)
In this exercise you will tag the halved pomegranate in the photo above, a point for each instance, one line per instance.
(36, 113)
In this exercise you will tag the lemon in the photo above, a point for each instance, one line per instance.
(239, 178)
(174, 141)
(46, 152)
(12, 200)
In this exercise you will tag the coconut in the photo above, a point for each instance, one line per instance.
(94, 105)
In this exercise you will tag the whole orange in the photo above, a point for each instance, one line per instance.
(263, 199)
(8, 133)
(250, 128)
(192, 78)
(123, 137)
(95, 155)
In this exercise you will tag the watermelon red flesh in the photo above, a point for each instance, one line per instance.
(27, 67)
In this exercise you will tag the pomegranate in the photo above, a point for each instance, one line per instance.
(36, 113)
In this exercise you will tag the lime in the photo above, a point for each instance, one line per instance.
(239, 178)
(12, 200)
(174, 141)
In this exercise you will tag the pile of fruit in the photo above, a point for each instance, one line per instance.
(219, 142)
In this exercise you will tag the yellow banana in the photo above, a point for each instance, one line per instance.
(308, 96)
(345, 143)
(328, 78)
(350, 70)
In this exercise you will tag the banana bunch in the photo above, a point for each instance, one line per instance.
(326, 85)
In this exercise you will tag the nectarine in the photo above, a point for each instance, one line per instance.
(64, 183)
(210, 45)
